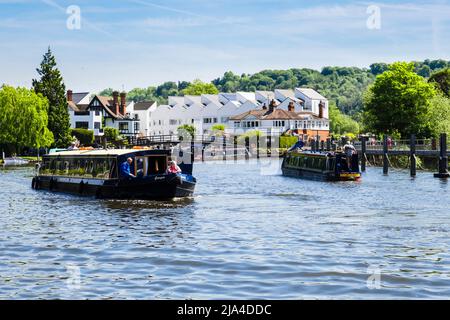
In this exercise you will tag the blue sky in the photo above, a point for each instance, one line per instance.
(137, 43)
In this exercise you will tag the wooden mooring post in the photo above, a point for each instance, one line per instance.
(443, 159)
(328, 144)
(247, 148)
(385, 155)
(269, 146)
(192, 151)
(363, 153)
(235, 148)
(224, 147)
(412, 156)
(257, 146)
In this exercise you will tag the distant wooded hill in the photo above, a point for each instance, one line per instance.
(343, 85)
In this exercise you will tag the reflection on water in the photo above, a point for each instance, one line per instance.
(247, 233)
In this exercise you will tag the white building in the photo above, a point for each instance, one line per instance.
(203, 112)
(99, 112)
(276, 121)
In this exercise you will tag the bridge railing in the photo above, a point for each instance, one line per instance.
(400, 145)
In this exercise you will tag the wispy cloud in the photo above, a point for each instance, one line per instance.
(85, 22)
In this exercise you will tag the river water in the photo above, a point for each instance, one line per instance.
(248, 233)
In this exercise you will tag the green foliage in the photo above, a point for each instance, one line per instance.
(186, 130)
(51, 86)
(23, 118)
(378, 68)
(85, 136)
(218, 129)
(198, 87)
(341, 124)
(399, 100)
(111, 134)
(252, 134)
(343, 85)
(287, 141)
(442, 81)
(439, 115)
(106, 92)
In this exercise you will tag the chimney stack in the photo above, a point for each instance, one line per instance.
(116, 102)
(69, 95)
(272, 106)
(123, 103)
(321, 107)
(291, 107)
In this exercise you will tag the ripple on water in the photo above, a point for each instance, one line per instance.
(243, 235)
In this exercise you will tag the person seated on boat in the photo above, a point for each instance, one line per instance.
(349, 151)
(73, 146)
(125, 169)
(140, 168)
(173, 168)
(297, 146)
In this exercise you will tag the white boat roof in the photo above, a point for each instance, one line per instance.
(100, 152)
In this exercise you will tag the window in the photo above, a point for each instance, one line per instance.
(123, 126)
(237, 124)
(82, 125)
(97, 112)
(81, 113)
(97, 125)
(172, 122)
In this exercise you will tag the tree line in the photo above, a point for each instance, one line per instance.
(397, 99)
(345, 86)
(36, 117)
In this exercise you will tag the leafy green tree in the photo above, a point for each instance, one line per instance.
(167, 89)
(198, 87)
(218, 129)
(23, 119)
(399, 100)
(378, 68)
(85, 136)
(439, 115)
(111, 134)
(186, 130)
(340, 123)
(107, 92)
(51, 86)
(442, 80)
(424, 71)
(142, 94)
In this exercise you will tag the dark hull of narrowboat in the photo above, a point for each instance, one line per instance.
(317, 175)
(149, 188)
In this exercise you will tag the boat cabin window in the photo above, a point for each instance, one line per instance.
(95, 167)
(150, 165)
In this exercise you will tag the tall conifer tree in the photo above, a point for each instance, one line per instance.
(51, 86)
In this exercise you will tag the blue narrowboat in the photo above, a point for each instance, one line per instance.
(97, 173)
(325, 166)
